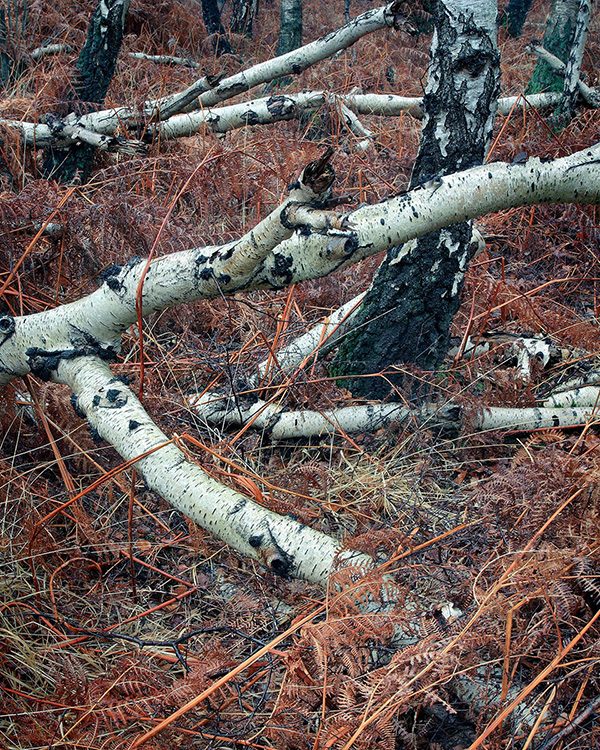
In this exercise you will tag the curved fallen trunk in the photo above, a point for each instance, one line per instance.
(68, 344)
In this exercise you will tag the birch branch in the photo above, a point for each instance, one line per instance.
(590, 96)
(328, 241)
(318, 340)
(453, 198)
(166, 60)
(281, 544)
(277, 423)
(48, 49)
(293, 62)
(93, 325)
(263, 111)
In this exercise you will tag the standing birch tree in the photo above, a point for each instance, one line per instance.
(406, 315)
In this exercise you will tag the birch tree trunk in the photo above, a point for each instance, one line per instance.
(558, 39)
(244, 12)
(211, 15)
(290, 26)
(572, 73)
(406, 314)
(516, 13)
(96, 66)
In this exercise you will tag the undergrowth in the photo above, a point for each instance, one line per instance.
(116, 611)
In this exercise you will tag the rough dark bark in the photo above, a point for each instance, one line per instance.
(558, 39)
(244, 12)
(290, 28)
(406, 315)
(13, 25)
(211, 15)
(515, 14)
(95, 69)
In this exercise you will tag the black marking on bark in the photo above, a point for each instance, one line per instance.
(96, 400)
(96, 436)
(114, 284)
(224, 279)
(112, 395)
(284, 215)
(125, 379)
(238, 506)
(277, 105)
(43, 363)
(282, 267)
(255, 541)
(281, 566)
(109, 271)
(7, 327)
(76, 408)
(133, 425)
(250, 117)
(555, 420)
(206, 274)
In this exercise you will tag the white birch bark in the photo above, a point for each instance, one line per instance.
(454, 198)
(278, 424)
(575, 397)
(589, 95)
(573, 67)
(318, 340)
(166, 60)
(263, 111)
(293, 62)
(535, 418)
(264, 259)
(205, 92)
(280, 543)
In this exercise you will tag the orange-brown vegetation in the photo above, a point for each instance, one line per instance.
(116, 611)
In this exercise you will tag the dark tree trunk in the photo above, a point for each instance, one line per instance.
(516, 13)
(243, 15)
(290, 26)
(95, 69)
(407, 313)
(211, 15)
(558, 39)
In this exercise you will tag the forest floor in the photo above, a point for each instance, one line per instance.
(117, 611)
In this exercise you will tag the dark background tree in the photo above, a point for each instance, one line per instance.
(95, 69)
(211, 15)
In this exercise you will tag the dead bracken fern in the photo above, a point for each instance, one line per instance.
(116, 613)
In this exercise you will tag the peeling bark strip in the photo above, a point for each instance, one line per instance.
(407, 312)
(95, 323)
